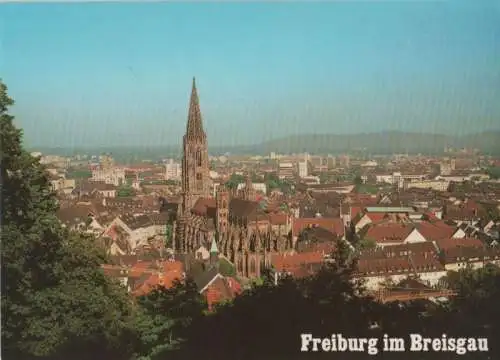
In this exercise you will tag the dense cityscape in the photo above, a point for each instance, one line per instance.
(347, 246)
(231, 224)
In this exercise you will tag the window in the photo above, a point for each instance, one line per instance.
(252, 266)
(198, 158)
(198, 176)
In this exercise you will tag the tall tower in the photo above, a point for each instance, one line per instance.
(195, 169)
(249, 191)
(222, 204)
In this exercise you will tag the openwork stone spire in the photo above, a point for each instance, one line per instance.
(194, 124)
(195, 169)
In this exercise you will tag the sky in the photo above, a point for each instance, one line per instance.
(106, 74)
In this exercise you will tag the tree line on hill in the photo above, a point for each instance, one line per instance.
(58, 304)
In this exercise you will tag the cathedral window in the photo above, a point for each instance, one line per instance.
(252, 265)
(198, 158)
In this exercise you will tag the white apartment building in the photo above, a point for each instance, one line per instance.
(303, 169)
(261, 187)
(286, 170)
(398, 178)
(115, 176)
(173, 170)
(438, 185)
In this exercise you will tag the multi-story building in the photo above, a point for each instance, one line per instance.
(331, 162)
(115, 176)
(173, 170)
(345, 161)
(106, 162)
(303, 169)
(286, 170)
(438, 185)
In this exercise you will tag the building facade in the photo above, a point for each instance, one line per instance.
(173, 170)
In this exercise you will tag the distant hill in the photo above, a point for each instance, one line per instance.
(382, 143)
(487, 141)
(387, 142)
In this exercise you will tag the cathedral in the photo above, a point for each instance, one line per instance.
(244, 233)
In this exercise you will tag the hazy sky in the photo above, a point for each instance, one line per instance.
(120, 73)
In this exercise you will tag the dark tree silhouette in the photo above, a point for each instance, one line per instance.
(56, 301)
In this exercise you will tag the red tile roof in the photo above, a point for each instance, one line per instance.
(324, 248)
(355, 210)
(388, 233)
(363, 199)
(393, 266)
(278, 219)
(377, 217)
(435, 230)
(426, 263)
(163, 274)
(409, 264)
(445, 244)
(471, 205)
(290, 262)
(203, 206)
(432, 216)
(400, 250)
(111, 232)
(222, 289)
(334, 225)
(166, 279)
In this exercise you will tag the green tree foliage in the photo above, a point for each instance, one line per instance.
(172, 182)
(226, 268)
(165, 317)
(494, 172)
(265, 322)
(256, 178)
(357, 180)
(351, 235)
(475, 308)
(78, 174)
(324, 178)
(125, 191)
(169, 230)
(273, 182)
(366, 244)
(234, 180)
(56, 301)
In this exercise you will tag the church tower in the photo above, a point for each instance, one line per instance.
(249, 192)
(222, 205)
(195, 168)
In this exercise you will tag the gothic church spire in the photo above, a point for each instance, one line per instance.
(194, 124)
